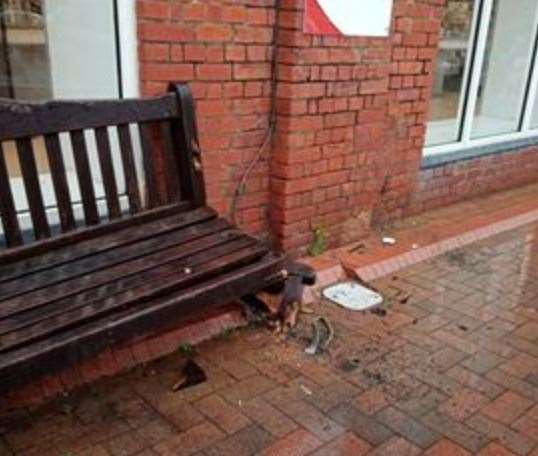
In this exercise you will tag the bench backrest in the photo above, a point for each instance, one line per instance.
(166, 125)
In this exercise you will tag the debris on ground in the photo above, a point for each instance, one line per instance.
(306, 390)
(184, 348)
(192, 374)
(286, 297)
(374, 376)
(379, 311)
(359, 248)
(463, 327)
(350, 364)
(387, 240)
(322, 336)
(352, 296)
(457, 258)
(402, 297)
(255, 310)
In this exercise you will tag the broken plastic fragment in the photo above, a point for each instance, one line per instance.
(192, 374)
(306, 390)
(379, 311)
(353, 296)
(320, 339)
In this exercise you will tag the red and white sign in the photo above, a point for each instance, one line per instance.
(348, 17)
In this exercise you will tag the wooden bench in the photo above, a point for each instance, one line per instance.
(130, 258)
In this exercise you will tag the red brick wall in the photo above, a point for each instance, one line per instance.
(224, 49)
(332, 108)
(409, 190)
(350, 124)
(416, 31)
(465, 179)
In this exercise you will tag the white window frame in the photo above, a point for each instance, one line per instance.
(128, 47)
(471, 84)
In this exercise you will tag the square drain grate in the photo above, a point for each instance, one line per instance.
(353, 296)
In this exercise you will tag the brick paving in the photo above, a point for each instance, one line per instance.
(453, 370)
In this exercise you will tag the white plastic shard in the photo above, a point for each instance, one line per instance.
(353, 296)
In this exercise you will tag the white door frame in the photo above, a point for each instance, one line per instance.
(128, 47)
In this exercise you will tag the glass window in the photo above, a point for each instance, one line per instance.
(486, 82)
(58, 49)
(450, 73)
(24, 66)
(506, 68)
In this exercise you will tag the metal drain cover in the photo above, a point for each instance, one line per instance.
(352, 296)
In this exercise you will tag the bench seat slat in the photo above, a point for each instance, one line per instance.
(140, 232)
(81, 342)
(103, 282)
(144, 286)
(13, 262)
(68, 278)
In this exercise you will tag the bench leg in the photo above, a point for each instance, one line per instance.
(289, 291)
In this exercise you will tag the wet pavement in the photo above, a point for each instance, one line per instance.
(450, 369)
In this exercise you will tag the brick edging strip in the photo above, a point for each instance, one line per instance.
(386, 267)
